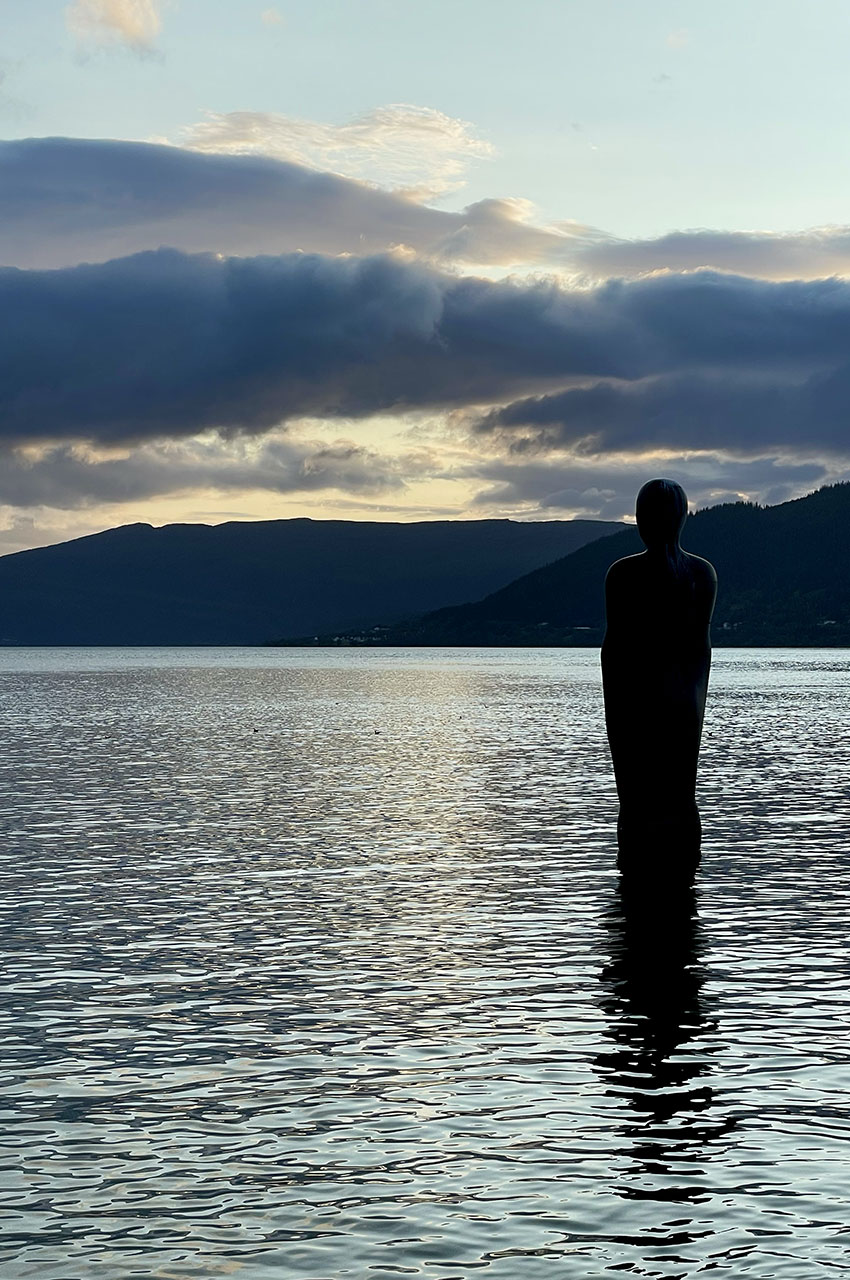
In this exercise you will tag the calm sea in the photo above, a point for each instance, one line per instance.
(315, 966)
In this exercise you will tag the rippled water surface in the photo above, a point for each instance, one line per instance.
(315, 966)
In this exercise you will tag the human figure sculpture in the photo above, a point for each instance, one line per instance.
(655, 662)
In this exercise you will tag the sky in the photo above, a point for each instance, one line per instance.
(379, 260)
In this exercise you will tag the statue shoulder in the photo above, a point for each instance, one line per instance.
(626, 569)
(703, 570)
(704, 577)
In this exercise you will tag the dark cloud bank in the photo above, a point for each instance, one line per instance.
(70, 200)
(164, 345)
(738, 383)
(684, 411)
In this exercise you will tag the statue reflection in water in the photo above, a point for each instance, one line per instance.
(663, 1038)
(655, 663)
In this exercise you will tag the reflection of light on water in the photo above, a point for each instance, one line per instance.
(284, 991)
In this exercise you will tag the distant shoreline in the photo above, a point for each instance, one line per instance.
(483, 644)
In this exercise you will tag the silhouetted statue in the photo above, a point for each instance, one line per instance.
(655, 662)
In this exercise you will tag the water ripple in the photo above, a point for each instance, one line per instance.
(318, 961)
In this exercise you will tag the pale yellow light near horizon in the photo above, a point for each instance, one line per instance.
(449, 481)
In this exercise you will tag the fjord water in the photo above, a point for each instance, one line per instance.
(315, 965)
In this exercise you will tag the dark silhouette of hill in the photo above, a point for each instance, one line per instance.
(250, 582)
(784, 578)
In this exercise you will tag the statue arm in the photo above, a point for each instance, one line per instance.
(706, 592)
(617, 593)
(700, 645)
(615, 643)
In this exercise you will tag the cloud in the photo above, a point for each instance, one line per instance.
(68, 477)
(163, 344)
(20, 531)
(132, 23)
(70, 200)
(581, 488)
(736, 413)
(166, 345)
(818, 252)
(416, 149)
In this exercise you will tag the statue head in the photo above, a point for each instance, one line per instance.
(661, 509)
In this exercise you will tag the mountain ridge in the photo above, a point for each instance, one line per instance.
(778, 583)
(246, 582)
